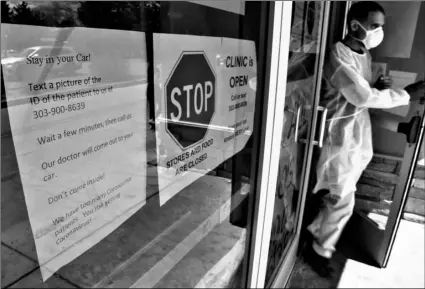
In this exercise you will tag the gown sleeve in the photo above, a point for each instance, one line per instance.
(355, 88)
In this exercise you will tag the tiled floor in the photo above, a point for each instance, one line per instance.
(405, 269)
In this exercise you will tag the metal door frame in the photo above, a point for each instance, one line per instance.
(400, 197)
(277, 60)
(290, 258)
(271, 128)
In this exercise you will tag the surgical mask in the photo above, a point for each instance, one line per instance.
(373, 37)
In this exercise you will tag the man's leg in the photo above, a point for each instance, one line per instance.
(326, 230)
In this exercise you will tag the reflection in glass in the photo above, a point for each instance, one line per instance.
(300, 91)
(189, 241)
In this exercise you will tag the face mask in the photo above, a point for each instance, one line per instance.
(373, 37)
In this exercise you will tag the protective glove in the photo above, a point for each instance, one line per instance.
(383, 82)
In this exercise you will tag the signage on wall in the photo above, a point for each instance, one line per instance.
(205, 97)
(78, 141)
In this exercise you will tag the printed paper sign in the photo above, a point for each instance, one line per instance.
(77, 114)
(401, 79)
(205, 94)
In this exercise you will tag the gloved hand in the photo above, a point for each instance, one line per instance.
(416, 91)
(383, 82)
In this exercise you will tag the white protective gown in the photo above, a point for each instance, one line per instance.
(347, 147)
(347, 94)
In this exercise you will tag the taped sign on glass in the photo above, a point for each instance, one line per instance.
(79, 130)
(205, 100)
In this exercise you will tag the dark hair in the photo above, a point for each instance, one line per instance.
(360, 10)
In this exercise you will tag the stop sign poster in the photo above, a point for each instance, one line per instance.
(205, 96)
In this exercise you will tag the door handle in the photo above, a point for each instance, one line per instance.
(410, 129)
(319, 143)
(324, 110)
(297, 124)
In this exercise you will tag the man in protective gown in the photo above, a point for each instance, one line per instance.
(348, 93)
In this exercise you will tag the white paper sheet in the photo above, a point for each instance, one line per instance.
(401, 79)
(78, 123)
(206, 88)
(235, 6)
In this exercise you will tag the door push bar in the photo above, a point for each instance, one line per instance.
(319, 142)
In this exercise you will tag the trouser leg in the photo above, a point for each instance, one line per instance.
(330, 222)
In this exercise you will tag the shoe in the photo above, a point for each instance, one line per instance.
(321, 265)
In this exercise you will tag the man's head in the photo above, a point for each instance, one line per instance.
(363, 18)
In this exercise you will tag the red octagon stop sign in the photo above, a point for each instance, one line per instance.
(190, 99)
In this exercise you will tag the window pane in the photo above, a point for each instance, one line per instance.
(127, 141)
(307, 19)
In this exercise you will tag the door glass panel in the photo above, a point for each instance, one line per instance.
(307, 19)
(391, 188)
(129, 234)
(384, 180)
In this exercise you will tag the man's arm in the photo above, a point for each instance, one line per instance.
(358, 91)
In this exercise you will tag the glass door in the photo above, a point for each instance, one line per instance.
(383, 189)
(292, 135)
(376, 220)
